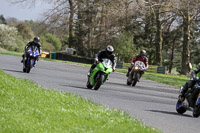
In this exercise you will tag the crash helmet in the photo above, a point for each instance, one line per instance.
(143, 53)
(109, 49)
(36, 39)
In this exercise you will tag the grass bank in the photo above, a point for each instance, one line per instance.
(26, 107)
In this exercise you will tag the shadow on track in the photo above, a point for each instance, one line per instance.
(79, 87)
(12, 70)
(167, 112)
(118, 84)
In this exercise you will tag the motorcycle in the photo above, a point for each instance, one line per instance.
(191, 101)
(30, 57)
(135, 73)
(100, 74)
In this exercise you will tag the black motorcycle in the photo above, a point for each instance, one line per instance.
(191, 101)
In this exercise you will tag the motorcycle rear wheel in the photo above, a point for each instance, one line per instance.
(196, 111)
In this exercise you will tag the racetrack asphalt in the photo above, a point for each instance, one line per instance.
(151, 102)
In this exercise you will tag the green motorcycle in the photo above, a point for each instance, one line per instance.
(100, 74)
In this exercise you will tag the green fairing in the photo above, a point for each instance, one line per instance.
(198, 74)
(99, 67)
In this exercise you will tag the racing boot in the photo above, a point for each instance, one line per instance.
(22, 58)
(89, 73)
(183, 90)
(127, 74)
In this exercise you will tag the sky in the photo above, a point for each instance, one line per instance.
(23, 11)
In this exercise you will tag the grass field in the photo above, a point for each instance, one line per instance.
(26, 107)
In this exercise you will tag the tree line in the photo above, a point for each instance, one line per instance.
(168, 30)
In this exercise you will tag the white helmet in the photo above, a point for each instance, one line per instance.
(109, 49)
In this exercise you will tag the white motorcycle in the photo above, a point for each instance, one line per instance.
(135, 73)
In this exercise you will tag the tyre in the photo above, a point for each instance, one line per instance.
(196, 111)
(29, 66)
(134, 82)
(180, 108)
(98, 82)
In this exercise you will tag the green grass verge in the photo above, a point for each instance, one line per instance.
(11, 53)
(26, 107)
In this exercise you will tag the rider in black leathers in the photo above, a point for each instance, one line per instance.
(190, 83)
(104, 54)
(35, 42)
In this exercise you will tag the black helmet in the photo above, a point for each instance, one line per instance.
(36, 39)
(143, 53)
(109, 49)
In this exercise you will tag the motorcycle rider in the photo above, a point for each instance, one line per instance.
(35, 42)
(141, 57)
(104, 54)
(190, 83)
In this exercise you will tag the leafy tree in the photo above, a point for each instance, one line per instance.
(25, 31)
(2, 20)
(9, 38)
(50, 42)
(124, 47)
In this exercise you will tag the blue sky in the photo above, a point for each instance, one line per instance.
(23, 12)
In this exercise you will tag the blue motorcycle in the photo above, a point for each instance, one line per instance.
(31, 55)
(191, 102)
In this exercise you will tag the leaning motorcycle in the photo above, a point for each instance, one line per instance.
(30, 57)
(100, 74)
(191, 101)
(135, 73)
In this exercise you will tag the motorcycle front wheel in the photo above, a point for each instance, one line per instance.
(180, 108)
(29, 66)
(98, 81)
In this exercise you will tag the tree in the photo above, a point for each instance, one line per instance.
(2, 20)
(50, 42)
(9, 38)
(25, 31)
(189, 11)
(124, 47)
